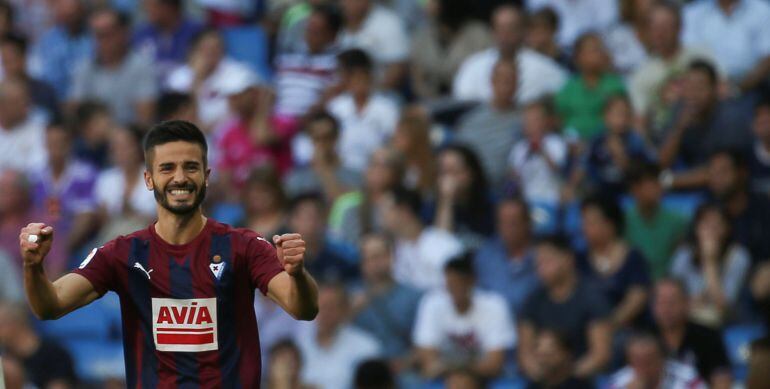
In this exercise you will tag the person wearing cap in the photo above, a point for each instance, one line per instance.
(252, 136)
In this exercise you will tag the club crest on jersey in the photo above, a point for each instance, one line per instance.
(184, 325)
(217, 266)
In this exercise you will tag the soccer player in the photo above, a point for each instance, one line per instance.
(186, 283)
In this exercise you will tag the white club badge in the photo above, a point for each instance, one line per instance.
(217, 266)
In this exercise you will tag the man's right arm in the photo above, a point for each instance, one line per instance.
(50, 300)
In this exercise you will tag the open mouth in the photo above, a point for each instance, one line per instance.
(180, 194)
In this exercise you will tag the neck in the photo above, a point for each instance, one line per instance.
(112, 60)
(463, 306)
(360, 100)
(592, 78)
(670, 52)
(25, 343)
(57, 169)
(410, 230)
(605, 248)
(673, 336)
(507, 52)
(179, 229)
(503, 103)
(648, 211)
(516, 248)
(170, 25)
(380, 285)
(737, 203)
(563, 290)
(727, 5)
(557, 376)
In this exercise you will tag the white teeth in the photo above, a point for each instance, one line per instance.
(176, 192)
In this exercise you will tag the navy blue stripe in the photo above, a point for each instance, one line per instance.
(229, 354)
(139, 289)
(129, 351)
(181, 281)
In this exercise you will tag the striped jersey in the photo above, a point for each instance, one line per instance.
(187, 310)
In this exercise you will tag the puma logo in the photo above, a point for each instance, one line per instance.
(139, 266)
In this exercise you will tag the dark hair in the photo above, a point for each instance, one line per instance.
(700, 213)
(122, 19)
(676, 282)
(672, 7)
(267, 177)
(331, 14)
(610, 210)
(383, 236)
(173, 131)
(355, 59)
(638, 173)
(763, 103)
(478, 204)
(56, 123)
(137, 133)
(519, 202)
(373, 374)
(461, 264)
(736, 157)
(18, 41)
(583, 39)
(286, 344)
(614, 99)
(324, 116)
(7, 8)
(407, 198)
(547, 16)
(646, 337)
(310, 197)
(200, 36)
(87, 110)
(706, 68)
(170, 103)
(454, 13)
(563, 340)
(177, 4)
(558, 241)
(545, 103)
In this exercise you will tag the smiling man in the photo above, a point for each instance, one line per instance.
(186, 283)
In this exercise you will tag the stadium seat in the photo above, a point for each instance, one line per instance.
(97, 360)
(737, 340)
(249, 44)
(683, 203)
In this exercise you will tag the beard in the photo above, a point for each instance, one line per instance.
(185, 209)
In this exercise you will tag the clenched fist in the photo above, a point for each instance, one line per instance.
(291, 252)
(34, 250)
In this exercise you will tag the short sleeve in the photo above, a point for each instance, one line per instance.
(498, 327)
(99, 267)
(262, 260)
(427, 332)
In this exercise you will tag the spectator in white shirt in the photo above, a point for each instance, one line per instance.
(648, 368)
(579, 16)
(21, 133)
(381, 33)
(420, 251)
(737, 32)
(537, 161)
(461, 327)
(538, 74)
(332, 350)
(367, 119)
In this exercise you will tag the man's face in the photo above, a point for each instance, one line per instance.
(332, 309)
(178, 176)
(307, 220)
(355, 9)
(723, 176)
(57, 143)
(14, 103)
(662, 29)
(647, 192)
(111, 39)
(646, 360)
(376, 259)
(761, 124)
(551, 264)
(459, 286)
(549, 355)
(12, 197)
(504, 81)
(13, 60)
(508, 29)
(323, 137)
(157, 12)
(318, 34)
(512, 223)
(669, 306)
(698, 90)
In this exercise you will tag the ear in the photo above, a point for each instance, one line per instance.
(148, 180)
(206, 178)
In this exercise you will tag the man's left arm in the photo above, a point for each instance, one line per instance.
(294, 289)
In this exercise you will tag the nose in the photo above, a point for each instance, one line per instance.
(179, 176)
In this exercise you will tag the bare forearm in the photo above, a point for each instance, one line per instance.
(444, 215)
(303, 297)
(41, 293)
(490, 365)
(629, 308)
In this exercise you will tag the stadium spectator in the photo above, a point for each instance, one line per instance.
(759, 162)
(736, 31)
(93, 125)
(537, 162)
(568, 303)
(292, 25)
(578, 17)
(712, 265)
(619, 271)
(12, 373)
(686, 342)
(166, 35)
(333, 348)
(749, 213)
(555, 358)
(326, 260)
(207, 70)
(61, 49)
(442, 44)
(305, 77)
(22, 132)
(492, 129)
(284, 366)
(125, 204)
(385, 308)
(177, 106)
(759, 358)
(581, 100)
(667, 62)
(253, 136)
(13, 52)
(377, 30)
(325, 173)
(618, 148)
(116, 76)
(542, 27)
(413, 140)
(10, 279)
(461, 327)
(538, 75)
(64, 190)
(505, 264)
(463, 379)
(420, 250)
(701, 125)
(276, 329)
(627, 40)
(648, 368)
(46, 364)
(367, 119)
(463, 203)
(16, 207)
(264, 203)
(651, 227)
(374, 374)
(760, 291)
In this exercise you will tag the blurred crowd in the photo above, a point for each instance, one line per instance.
(509, 194)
